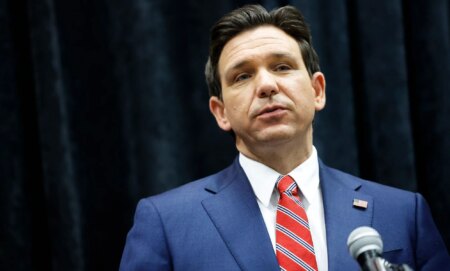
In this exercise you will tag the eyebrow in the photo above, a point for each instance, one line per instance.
(244, 62)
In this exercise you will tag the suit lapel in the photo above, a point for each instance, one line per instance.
(236, 215)
(341, 217)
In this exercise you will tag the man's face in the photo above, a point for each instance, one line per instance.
(268, 96)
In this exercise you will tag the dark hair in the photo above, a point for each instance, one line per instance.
(288, 18)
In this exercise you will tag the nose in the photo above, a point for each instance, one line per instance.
(266, 84)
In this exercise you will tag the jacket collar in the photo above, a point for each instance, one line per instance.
(235, 213)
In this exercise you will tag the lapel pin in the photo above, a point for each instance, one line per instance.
(360, 203)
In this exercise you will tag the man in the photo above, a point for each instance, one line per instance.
(277, 206)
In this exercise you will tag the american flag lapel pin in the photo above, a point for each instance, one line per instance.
(359, 203)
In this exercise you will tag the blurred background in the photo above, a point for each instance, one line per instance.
(104, 102)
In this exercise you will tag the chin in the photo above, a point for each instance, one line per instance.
(277, 136)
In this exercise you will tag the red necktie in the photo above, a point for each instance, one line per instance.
(295, 250)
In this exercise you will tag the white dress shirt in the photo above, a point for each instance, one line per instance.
(263, 178)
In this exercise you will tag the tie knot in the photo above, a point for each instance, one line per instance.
(286, 184)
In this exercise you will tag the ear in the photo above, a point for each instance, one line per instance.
(217, 108)
(318, 84)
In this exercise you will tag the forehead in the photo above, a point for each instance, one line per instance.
(257, 43)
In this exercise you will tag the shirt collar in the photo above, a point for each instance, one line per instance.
(263, 178)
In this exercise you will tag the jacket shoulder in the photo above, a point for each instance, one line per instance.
(371, 187)
(192, 193)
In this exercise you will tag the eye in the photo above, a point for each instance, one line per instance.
(241, 77)
(282, 67)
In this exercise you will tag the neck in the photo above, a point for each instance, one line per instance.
(283, 158)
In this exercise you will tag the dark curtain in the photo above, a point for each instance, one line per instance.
(104, 102)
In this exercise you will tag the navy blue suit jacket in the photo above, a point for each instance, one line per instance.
(215, 224)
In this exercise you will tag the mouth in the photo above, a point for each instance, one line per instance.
(271, 110)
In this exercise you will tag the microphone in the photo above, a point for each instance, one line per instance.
(365, 245)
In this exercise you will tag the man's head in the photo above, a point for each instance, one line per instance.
(262, 89)
(287, 18)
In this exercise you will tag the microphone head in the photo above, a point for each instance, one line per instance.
(363, 239)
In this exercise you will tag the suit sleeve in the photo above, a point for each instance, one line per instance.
(431, 253)
(146, 246)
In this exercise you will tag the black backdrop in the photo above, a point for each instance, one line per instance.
(104, 102)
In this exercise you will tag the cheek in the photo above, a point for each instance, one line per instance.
(238, 103)
(302, 100)
(237, 112)
(301, 91)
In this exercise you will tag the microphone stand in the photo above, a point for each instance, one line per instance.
(377, 263)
